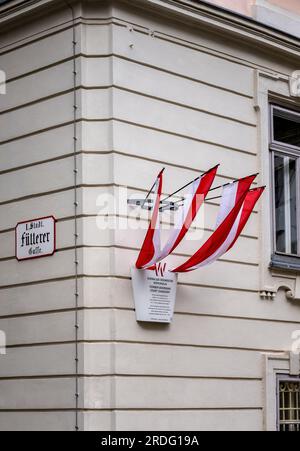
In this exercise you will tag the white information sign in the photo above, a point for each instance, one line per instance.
(154, 295)
(35, 238)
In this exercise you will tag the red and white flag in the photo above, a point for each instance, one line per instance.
(193, 202)
(251, 199)
(152, 244)
(232, 215)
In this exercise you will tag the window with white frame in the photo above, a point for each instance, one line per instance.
(288, 404)
(285, 153)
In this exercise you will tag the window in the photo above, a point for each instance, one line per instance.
(286, 127)
(285, 152)
(285, 170)
(288, 404)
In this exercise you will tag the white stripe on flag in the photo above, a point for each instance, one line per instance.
(227, 203)
(181, 220)
(157, 232)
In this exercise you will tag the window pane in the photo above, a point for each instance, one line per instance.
(286, 204)
(286, 128)
(293, 206)
(279, 204)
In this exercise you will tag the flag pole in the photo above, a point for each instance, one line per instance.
(222, 186)
(188, 184)
(234, 181)
(219, 197)
(151, 189)
(180, 189)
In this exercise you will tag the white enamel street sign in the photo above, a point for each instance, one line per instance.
(154, 295)
(35, 238)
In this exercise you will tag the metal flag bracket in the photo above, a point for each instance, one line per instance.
(147, 204)
(165, 205)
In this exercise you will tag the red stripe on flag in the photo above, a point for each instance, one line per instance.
(148, 249)
(190, 210)
(249, 204)
(219, 236)
(198, 200)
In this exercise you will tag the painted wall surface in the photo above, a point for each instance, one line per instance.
(144, 101)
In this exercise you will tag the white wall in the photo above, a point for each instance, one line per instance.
(37, 385)
(183, 99)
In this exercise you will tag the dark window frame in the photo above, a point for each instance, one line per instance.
(279, 260)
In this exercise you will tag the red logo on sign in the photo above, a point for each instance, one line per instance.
(160, 269)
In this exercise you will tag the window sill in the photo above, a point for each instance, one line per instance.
(285, 263)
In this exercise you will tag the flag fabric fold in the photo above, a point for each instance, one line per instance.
(249, 204)
(233, 214)
(152, 244)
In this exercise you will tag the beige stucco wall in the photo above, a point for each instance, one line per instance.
(184, 98)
